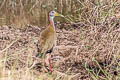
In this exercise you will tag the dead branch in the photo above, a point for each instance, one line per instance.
(33, 7)
(9, 46)
(2, 4)
(66, 46)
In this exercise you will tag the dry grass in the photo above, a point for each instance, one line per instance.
(18, 61)
(82, 52)
(36, 12)
(88, 45)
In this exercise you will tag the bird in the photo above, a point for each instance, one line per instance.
(47, 42)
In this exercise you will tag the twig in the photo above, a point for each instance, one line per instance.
(2, 4)
(9, 46)
(77, 48)
(61, 73)
(32, 66)
(77, 51)
(64, 59)
(33, 7)
(66, 46)
(36, 27)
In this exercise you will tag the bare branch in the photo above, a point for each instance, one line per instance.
(9, 46)
(2, 4)
(33, 7)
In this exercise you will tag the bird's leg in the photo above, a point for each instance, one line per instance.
(43, 62)
(50, 64)
(47, 63)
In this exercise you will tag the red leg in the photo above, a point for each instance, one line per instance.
(44, 65)
(50, 64)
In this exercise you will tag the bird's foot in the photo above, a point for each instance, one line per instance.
(47, 69)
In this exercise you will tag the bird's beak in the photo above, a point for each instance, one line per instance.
(57, 14)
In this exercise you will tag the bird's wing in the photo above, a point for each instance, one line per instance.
(47, 39)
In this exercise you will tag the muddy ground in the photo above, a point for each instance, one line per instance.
(79, 46)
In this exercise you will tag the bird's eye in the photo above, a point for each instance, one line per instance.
(52, 12)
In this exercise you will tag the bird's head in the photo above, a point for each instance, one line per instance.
(53, 14)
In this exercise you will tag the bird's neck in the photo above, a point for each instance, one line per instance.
(51, 21)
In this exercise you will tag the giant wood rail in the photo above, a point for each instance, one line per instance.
(47, 42)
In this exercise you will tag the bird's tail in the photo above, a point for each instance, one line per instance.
(38, 51)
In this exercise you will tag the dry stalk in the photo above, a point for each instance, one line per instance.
(2, 5)
(33, 7)
(77, 48)
(9, 45)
